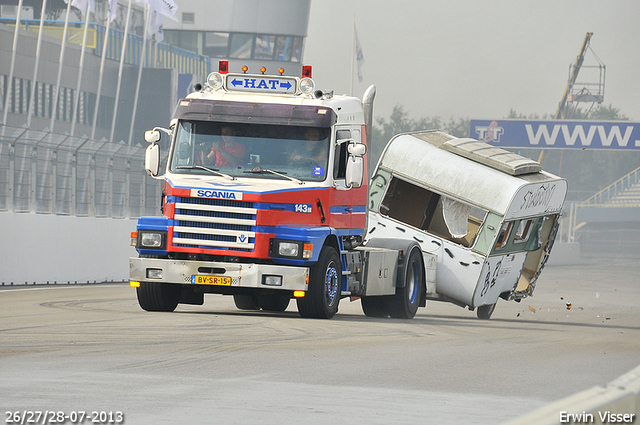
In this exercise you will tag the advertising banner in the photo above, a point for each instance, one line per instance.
(558, 134)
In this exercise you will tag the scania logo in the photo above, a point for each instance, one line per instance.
(217, 194)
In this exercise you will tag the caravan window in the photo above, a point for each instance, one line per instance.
(523, 232)
(519, 235)
(503, 236)
(429, 211)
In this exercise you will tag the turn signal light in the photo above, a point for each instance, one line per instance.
(134, 284)
(298, 294)
(307, 251)
(134, 238)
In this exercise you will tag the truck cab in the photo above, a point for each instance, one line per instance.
(264, 185)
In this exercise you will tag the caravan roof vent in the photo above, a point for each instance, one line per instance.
(491, 156)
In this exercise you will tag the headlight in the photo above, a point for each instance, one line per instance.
(307, 86)
(215, 80)
(288, 249)
(151, 239)
(272, 280)
(292, 249)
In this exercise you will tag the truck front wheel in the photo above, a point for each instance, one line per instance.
(325, 280)
(246, 302)
(275, 303)
(158, 296)
(407, 299)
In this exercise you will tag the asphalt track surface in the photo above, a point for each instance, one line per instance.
(91, 348)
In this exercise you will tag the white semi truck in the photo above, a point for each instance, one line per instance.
(265, 199)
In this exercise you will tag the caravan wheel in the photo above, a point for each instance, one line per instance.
(485, 311)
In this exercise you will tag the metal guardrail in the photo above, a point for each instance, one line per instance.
(601, 198)
(46, 173)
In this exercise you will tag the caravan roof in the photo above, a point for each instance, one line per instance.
(466, 169)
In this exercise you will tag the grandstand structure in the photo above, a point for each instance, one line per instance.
(142, 79)
(78, 183)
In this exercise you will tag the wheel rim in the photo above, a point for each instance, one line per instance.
(331, 283)
(412, 282)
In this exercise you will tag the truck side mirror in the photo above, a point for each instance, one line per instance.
(152, 136)
(355, 171)
(152, 159)
(357, 149)
(355, 164)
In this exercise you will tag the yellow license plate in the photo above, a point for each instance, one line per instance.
(212, 280)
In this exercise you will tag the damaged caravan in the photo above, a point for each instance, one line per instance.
(485, 218)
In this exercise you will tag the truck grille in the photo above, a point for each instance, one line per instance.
(214, 224)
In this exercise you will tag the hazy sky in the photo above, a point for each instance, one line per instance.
(475, 58)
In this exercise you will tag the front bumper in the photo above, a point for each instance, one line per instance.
(242, 275)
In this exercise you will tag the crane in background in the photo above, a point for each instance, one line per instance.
(582, 92)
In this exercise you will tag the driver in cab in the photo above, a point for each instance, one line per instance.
(225, 152)
(311, 151)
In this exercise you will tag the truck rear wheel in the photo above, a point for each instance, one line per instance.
(158, 296)
(406, 301)
(375, 306)
(325, 281)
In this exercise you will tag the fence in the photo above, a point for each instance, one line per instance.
(47, 173)
(608, 194)
(157, 54)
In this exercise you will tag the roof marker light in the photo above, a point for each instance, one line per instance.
(281, 71)
(263, 69)
(223, 67)
(306, 71)
(245, 68)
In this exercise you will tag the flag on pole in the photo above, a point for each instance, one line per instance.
(166, 8)
(358, 52)
(155, 26)
(113, 10)
(82, 5)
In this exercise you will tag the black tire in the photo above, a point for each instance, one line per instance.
(158, 296)
(375, 306)
(485, 311)
(246, 302)
(406, 301)
(275, 302)
(325, 282)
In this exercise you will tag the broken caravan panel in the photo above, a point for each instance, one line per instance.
(489, 216)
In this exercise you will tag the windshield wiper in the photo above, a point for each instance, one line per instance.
(266, 171)
(200, 167)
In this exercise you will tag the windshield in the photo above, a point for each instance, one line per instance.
(251, 150)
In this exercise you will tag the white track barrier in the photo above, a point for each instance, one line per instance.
(46, 248)
(617, 403)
